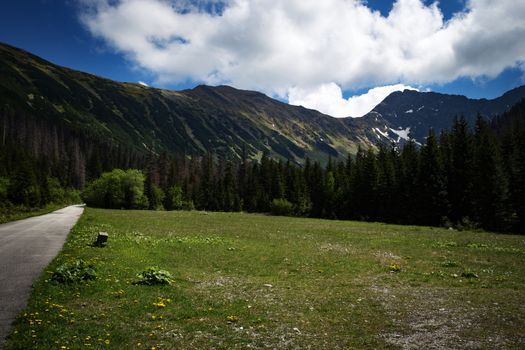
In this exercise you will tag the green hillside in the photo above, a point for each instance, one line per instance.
(221, 119)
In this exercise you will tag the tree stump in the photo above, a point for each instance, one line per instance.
(102, 239)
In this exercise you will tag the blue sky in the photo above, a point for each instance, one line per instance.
(84, 37)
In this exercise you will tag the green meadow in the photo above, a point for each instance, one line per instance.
(245, 281)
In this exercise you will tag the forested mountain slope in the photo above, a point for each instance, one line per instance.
(222, 120)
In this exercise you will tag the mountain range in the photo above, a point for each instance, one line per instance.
(222, 119)
(412, 113)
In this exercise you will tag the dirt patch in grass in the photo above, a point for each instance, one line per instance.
(335, 248)
(439, 318)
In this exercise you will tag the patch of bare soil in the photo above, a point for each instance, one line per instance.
(439, 318)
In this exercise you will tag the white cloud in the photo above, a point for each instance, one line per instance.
(328, 98)
(276, 45)
(143, 83)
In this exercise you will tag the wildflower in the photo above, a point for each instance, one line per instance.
(394, 267)
(232, 318)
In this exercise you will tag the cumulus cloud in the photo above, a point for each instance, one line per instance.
(328, 98)
(281, 45)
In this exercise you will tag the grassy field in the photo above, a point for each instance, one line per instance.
(19, 213)
(255, 281)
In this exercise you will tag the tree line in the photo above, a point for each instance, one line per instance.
(469, 176)
(43, 162)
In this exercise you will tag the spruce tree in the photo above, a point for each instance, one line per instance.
(490, 194)
(518, 173)
(386, 184)
(460, 172)
(408, 183)
(431, 197)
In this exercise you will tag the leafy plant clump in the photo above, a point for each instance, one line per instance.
(154, 276)
(282, 207)
(446, 244)
(450, 263)
(78, 271)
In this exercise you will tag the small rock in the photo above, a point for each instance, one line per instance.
(268, 285)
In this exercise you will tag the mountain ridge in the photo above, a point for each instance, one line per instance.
(223, 120)
(420, 111)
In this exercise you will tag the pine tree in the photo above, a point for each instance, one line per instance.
(517, 172)
(431, 198)
(364, 186)
(490, 194)
(316, 186)
(408, 183)
(460, 174)
(386, 184)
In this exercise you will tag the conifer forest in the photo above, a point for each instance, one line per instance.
(471, 176)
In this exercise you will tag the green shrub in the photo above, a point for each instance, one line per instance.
(450, 263)
(4, 187)
(23, 186)
(173, 199)
(77, 271)
(154, 276)
(188, 205)
(57, 193)
(446, 244)
(117, 189)
(155, 197)
(281, 206)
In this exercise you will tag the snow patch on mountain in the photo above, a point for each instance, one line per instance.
(401, 133)
(382, 133)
